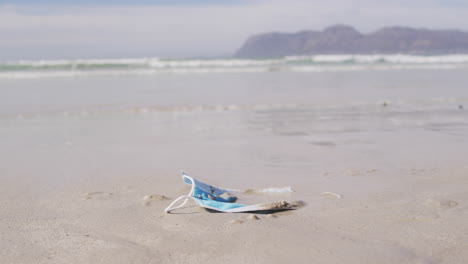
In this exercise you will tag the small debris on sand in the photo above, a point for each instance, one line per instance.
(271, 216)
(94, 195)
(253, 217)
(338, 196)
(441, 203)
(235, 221)
(353, 172)
(155, 197)
(283, 205)
(148, 199)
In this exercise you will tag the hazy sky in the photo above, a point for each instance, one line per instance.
(52, 29)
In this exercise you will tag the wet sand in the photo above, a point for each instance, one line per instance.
(91, 186)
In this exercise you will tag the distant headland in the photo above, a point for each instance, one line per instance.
(343, 39)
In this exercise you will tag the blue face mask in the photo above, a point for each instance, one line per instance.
(222, 200)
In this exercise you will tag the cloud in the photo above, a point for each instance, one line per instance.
(197, 30)
(121, 2)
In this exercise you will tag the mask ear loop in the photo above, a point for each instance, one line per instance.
(187, 197)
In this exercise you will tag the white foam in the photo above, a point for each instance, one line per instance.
(153, 65)
(228, 63)
(41, 63)
(382, 58)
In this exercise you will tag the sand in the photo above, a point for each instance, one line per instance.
(381, 184)
(387, 211)
(418, 221)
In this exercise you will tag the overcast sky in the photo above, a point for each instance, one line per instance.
(53, 29)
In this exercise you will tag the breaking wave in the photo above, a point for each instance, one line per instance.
(148, 66)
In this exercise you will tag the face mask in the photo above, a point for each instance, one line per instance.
(223, 200)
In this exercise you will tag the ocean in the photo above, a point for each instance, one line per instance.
(24, 69)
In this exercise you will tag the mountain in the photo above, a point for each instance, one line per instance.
(343, 39)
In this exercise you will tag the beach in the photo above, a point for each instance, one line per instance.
(90, 162)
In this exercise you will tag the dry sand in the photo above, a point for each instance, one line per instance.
(385, 215)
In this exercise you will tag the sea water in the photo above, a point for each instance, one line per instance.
(293, 116)
(149, 66)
